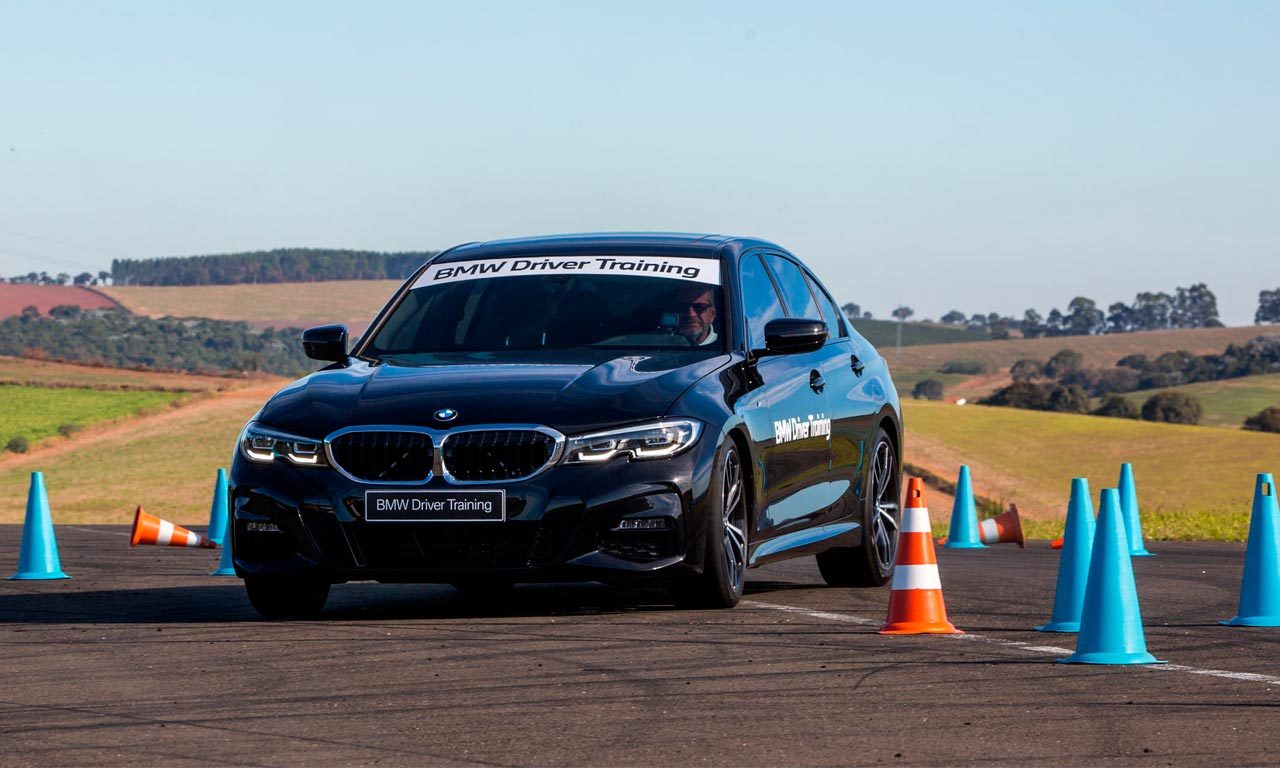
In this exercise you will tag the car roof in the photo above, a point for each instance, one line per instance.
(650, 243)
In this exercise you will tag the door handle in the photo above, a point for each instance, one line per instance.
(856, 365)
(816, 382)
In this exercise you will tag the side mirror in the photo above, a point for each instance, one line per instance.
(789, 335)
(326, 342)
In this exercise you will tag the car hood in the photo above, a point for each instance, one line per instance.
(570, 391)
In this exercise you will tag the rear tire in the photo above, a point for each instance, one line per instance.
(871, 564)
(724, 570)
(286, 597)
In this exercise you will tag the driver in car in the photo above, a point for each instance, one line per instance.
(694, 304)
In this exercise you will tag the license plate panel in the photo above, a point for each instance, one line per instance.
(448, 506)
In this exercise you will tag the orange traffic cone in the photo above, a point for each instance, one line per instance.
(1057, 543)
(915, 605)
(1004, 528)
(149, 529)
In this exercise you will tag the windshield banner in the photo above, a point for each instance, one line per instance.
(674, 268)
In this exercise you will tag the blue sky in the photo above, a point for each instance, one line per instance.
(977, 156)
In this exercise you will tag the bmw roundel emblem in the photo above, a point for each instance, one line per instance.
(446, 414)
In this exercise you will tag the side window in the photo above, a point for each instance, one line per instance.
(794, 288)
(833, 316)
(760, 302)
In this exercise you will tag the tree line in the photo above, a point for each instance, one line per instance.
(1259, 355)
(115, 338)
(1065, 385)
(284, 265)
(62, 278)
(1194, 306)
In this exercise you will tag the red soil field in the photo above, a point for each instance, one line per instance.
(45, 297)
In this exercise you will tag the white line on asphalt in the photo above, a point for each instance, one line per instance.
(94, 530)
(1051, 650)
(846, 618)
(1252, 677)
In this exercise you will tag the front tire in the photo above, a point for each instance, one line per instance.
(724, 571)
(871, 565)
(286, 597)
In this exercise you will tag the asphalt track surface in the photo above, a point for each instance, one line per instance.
(143, 659)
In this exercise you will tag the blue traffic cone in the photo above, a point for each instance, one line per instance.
(1132, 517)
(225, 565)
(1073, 564)
(1260, 587)
(1110, 622)
(964, 517)
(39, 556)
(218, 511)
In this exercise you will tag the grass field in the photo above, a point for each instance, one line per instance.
(37, 413)
(884, 334)
(44, 373)
(165, 462)
(1193, 482)
(1098, 351)
(905, 382)
(1226, 403)
(353, 302)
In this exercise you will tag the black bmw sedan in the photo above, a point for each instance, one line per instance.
(665, 408)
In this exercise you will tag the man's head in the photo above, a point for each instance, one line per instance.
(696, 308)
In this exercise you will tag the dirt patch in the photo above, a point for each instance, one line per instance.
(13, 298)
(47, 373)
(976, 387)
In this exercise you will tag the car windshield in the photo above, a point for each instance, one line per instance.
(593, 303)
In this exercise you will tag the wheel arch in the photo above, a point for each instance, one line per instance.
(737, 435)
(743, 445)
(892, 426)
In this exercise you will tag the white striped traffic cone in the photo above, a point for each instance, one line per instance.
(1005, 528)
(915, 605)
(149, 529)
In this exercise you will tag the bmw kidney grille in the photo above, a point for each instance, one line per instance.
(467, 456)
(384, 457)
(496, 455)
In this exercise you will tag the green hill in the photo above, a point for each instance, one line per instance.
(36, 413)
(1228, 402)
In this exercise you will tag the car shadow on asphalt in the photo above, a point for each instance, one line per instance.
(347, 602)
(766, 587)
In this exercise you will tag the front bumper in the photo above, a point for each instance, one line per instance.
(561, 525)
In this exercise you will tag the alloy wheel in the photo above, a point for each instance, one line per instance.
(884, 490)
(734, 523)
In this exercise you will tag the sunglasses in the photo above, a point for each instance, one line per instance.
(699, 307)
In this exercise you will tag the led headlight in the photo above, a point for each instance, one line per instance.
(263, 446)
(657, 440)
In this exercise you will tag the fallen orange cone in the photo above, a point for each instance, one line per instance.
(1005, 528)
(915, 605)
(149, 529)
